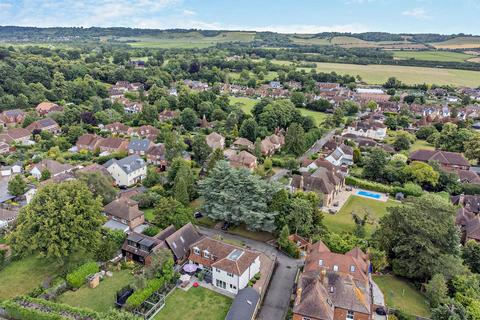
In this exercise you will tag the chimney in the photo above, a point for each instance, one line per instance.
(324, 278)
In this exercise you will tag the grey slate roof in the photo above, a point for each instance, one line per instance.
(244, 305)
(128, 164)
(139, 145)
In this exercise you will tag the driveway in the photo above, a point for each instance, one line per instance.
(278, 175)
(277, 297)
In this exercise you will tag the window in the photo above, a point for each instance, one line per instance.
(332, 289)
(320, 262)
(196, 251)
(181, 239)
(350, 315)
(230, 274)
(218, 270)
(221, 284)
(206, 253)
(335, 268)
(233, 287)
(306, 318)
(352, 268)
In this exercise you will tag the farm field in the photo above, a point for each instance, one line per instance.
(248, 103)
(343, 221)
(188, 40)
(459, 43)
(402, 295)
(196, 303)
(101, 298)
(378, 74)
(444, 56)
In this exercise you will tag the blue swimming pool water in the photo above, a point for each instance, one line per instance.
(369, 194)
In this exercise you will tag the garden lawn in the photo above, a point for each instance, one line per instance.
(254, 235)
(421, 144)
(342, 221)
(148, 213)
(100, 299)
(196, 303)
(400, 294)
(22, 276)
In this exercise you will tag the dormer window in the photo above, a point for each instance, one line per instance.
(181, 239)
(331, 289)
(206, 254)
(320, 262)
(196, 251)
(352, 268)
(335, 268)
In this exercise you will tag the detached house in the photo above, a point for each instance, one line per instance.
(368, 129)
(243, 159)
(123, 214)
(46, 124)
(54, 167)
(326, 180)
(334, 286)
(342, 155)
(117, 128)
(452, 160)
(16, 135)
(12, 117)
(87, 142)
(167, 115)
(156, 155)
(46, 107)
(229, 266)
(215, 141)
(272, 144)
(139, 147)
(468, 216)
(127, 171)
(111, 145)
(4, 147)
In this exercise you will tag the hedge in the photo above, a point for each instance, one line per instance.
(409, 189)
(27, 308)
(78, 277)
(139, 296)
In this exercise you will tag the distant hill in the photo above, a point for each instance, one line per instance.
(204, 38)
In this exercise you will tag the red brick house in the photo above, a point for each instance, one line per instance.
(452, 160)
(46, 124)
(46, 107)
(12, 117)
(334, 286)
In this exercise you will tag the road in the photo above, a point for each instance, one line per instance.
(277, 297)
(318, 145)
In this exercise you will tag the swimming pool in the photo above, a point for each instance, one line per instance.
(369, 194)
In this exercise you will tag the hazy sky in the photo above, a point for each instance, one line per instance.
(304, 16)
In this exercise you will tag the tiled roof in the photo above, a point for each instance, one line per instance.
(128, 164)
(181, 240)
(123, 208)
(443, 157)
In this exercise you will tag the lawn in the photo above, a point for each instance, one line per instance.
(378, 74)
(254, 235)
(247, 105)
(402, 295)
(444, 56)
(22, 276)
(343, 221)
(100, 299)
(196, 303)
(421, 144)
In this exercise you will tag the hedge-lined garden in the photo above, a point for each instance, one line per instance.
(79, 276)
(408, 189)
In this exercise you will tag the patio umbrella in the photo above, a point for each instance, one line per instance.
(185, 278)
(190, 267)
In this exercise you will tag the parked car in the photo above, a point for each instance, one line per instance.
(198, 215)
(226, 225)
(381, 311)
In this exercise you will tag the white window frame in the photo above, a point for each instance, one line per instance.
(352, 268)
(335, 268)
(196, 251)
(350, 315)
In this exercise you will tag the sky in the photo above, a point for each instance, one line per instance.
(286, 16)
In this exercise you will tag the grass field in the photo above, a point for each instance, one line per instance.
(270, 76)
(343, 221)
(196, 303)
(444, 56)
(22, 276)
(378, 74)
(402, 295)
(247, 104)
(100, 299)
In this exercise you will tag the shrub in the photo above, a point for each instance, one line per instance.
(151, 231)
(409, 188)
(139, 296)
(78, 277)
(26, 308)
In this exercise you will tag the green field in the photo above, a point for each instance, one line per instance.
(421, 144)
(22, 276)
(247, 105)
(187, 40)
(444, 56)
(402, 295)
(343, 221)
(196, 303)
(101, 298)
(378, 74)
(270, 76)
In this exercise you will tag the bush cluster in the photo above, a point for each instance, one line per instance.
(139, 296)
(409, 189)
(78, 277)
